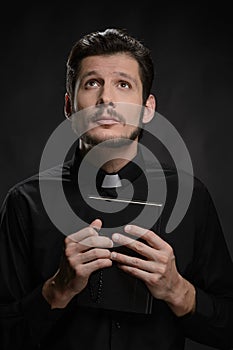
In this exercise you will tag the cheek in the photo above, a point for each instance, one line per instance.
(83, 101)
(80, 104)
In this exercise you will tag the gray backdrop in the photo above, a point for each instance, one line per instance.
(192, 50)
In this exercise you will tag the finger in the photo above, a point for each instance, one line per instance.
(133, 262)
(96, 242)
(135, 272)
(96, 224)
(93, 254)
(81, 234)
(91, 230)
(86, 269)
(151, 237)
(136, 245)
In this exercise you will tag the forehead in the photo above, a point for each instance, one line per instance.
(110, 64)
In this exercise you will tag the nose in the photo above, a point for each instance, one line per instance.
(105, 96)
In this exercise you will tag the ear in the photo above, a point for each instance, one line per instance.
(149, 110)
(67, 106)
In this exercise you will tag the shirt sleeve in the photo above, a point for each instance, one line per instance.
(25, 316)
(212, 276)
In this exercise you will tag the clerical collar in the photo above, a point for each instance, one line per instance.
(111, 181)
(131, 171)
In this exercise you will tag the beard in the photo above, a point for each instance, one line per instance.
(112, 142)
(109, 141)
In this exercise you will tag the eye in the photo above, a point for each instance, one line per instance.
(91, 83)
(124, 84)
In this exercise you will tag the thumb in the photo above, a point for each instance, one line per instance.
(96, 224)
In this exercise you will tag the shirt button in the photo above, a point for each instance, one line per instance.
(118, 326)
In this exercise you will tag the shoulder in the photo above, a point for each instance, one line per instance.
(174, 176)
(30, 185)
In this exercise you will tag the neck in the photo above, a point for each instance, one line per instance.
(110, 159)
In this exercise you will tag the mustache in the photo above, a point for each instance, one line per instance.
(107, 111)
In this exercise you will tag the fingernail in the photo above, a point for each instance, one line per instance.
(116, 237)
(127, 228)
(113, 255)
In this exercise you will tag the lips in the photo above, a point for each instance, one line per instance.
(107, 116)
(110, 120)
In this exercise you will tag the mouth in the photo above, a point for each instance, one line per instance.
(107, 116)
(107, 120)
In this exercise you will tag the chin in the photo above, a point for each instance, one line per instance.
(111, 141)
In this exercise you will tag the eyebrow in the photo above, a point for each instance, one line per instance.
(122, 74)
(127, 76)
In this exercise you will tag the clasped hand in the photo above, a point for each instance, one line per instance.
(86, 251)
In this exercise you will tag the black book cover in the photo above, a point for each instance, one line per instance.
(111, 288)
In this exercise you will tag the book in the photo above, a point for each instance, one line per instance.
(112, 288)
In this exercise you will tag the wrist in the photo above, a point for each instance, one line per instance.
(55, 295)
(182, 300)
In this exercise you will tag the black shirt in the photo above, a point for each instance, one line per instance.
(31, 247)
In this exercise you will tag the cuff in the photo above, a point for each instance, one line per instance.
(204, 308)
(38, 313)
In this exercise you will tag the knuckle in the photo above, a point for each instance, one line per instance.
(67, 241)
(91, 241)
(79, 271)
(71, 260)
(99, 262)
(67, 251)
(71, 249)
(135, 262)
(153, 280)
(150, 234)
(91, 231)
(164, 259)
(94, 253)
(138, 246)
(169, 250)
(162, 270)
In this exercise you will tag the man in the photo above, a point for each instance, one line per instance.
(53, 283)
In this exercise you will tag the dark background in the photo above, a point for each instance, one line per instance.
(192, 49)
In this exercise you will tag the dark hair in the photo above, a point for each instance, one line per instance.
(110, 41)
